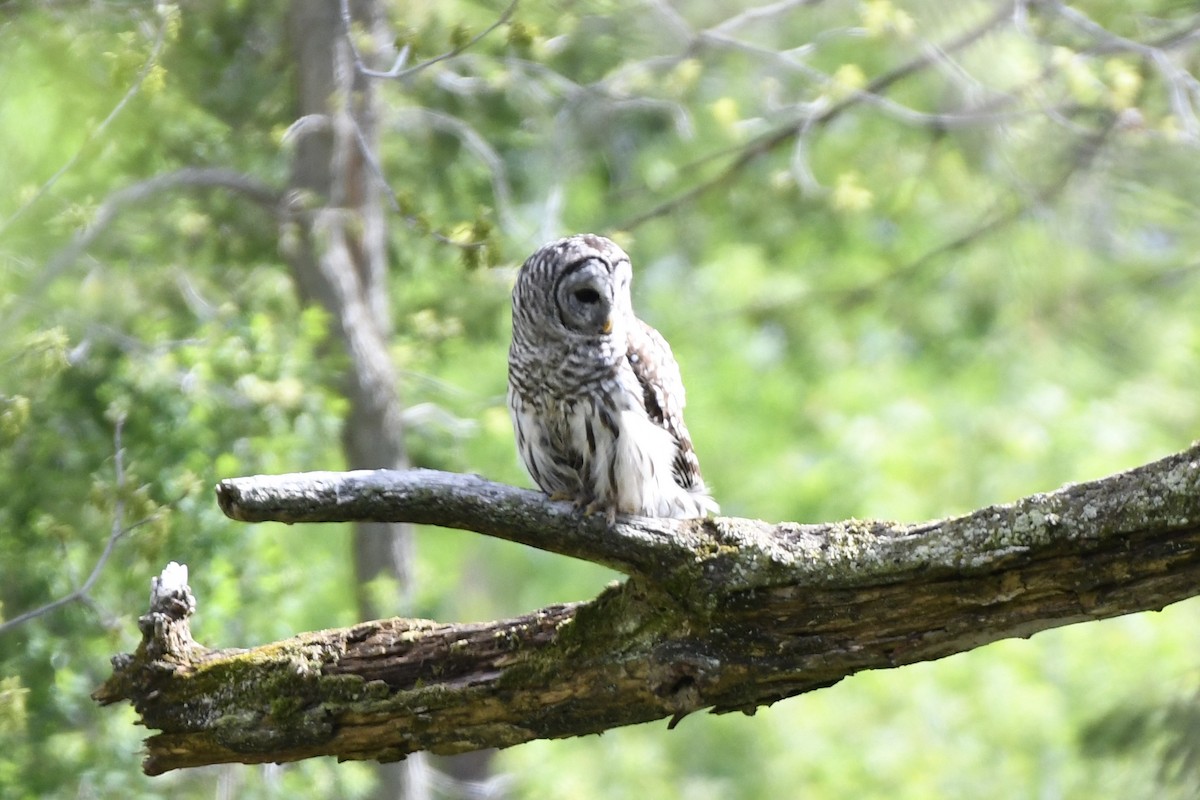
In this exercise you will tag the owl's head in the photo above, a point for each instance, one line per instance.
(578, 286)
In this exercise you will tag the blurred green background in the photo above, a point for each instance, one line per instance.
(978, 280)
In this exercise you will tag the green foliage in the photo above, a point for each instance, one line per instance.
(911, 310)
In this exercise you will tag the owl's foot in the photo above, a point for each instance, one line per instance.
(584, 505)
(596, 506)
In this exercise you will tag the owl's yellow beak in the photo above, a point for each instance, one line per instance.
(607, 325)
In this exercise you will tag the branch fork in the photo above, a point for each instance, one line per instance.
(723, 614)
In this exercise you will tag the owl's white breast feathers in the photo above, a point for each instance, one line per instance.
(620, 460)
(645, 482)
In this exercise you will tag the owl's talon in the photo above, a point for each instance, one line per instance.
(596, 506)
(561, 497)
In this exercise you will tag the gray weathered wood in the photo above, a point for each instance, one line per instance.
(723, 614)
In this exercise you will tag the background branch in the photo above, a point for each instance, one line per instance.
(116, 203)
(831, 111)
(398, 70)
(118, 530)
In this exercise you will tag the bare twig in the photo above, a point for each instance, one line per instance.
(398, 71)
(137, 193)
(98, 131)
(499, 185)
(372, 162)
(997, 218)
(359, 65)
(313, 124)
(1182, 86)
(769, 141)
(118, 530)
(188, 178)
(1183, 90)
(475, 143)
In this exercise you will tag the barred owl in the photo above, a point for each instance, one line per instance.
(595, 393)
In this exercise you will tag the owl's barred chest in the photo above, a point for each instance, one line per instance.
(571, 414)
(603, 451)
(568, 400)
(557, 382)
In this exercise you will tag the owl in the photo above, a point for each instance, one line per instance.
(595, 393)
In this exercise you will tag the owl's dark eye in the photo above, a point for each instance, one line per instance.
(587, 296)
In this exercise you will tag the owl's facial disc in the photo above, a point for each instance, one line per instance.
(585, 298)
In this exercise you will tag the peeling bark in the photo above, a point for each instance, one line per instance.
(725, 614)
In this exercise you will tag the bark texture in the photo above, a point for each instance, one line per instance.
(724, 614)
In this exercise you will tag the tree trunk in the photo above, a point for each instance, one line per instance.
(339, 257)
(337, 249)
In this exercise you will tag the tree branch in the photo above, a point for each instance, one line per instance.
(138, 193)
(451, 500)
(117, 530)
(1003, 213)
(188, 178)
(826, 114)
(726, 614)
(398, 67)
(1183, 91)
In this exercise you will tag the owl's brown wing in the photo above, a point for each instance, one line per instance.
(657, 372)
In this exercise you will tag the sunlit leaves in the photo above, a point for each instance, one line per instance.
(882, 17)
(725, 112)
(172, 18)
(848, 78)
(1124, 82)
(1082, 82)
(522, 36)
(849, 194)
(683, 77)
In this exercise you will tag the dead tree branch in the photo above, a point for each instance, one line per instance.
(725, 614)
